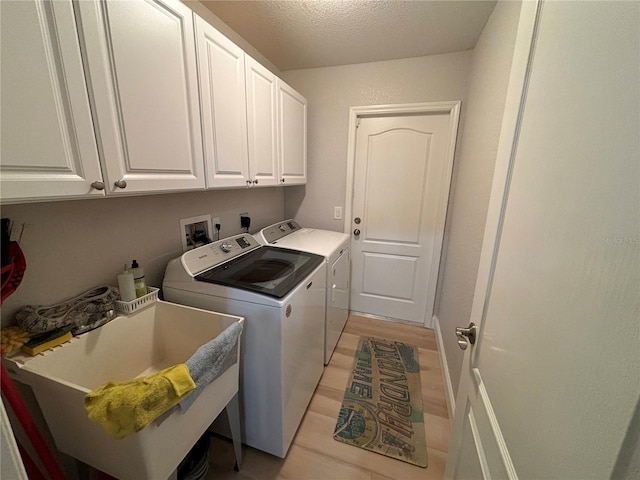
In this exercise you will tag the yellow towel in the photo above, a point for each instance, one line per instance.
(123, 408)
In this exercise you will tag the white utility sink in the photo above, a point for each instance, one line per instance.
(159, 336)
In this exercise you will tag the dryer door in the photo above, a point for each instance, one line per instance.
(338, 302)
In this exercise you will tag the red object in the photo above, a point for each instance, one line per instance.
(12, 273)
(29, 465)
(20, 409)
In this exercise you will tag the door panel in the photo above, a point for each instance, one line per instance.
(396, 157)
(48, 144)
(292, 134)
(389, 276)
(145, 93)
(262, 118)
(224, 111)
(401, 184)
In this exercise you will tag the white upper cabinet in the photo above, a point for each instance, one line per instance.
(224, 113)
(262, 124)
(133, 96)
(239, 113)
(142, 77)
(292, 135)
(48, 147)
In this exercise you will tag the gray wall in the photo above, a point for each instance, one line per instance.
(71, 246)
(331, 91)
(473, 174)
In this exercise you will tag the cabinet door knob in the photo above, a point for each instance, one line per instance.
(248, 183)
(282, 180)
(255, 181)
(97, 185)
(120, 184)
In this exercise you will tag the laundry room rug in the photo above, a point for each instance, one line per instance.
(382, 406)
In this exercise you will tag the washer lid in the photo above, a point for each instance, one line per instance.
(268, 270)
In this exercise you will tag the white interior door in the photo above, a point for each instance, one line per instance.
(550, 388)
(401, 185)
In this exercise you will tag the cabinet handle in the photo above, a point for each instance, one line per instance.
(282, 179)
(255, 181)
(248, 183)
(97, 185)
(120, 184)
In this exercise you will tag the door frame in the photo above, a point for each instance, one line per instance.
(451, 108)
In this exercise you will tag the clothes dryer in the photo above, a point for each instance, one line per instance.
(334, 247)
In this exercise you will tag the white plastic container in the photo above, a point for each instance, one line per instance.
(126, 286)
(128, 347)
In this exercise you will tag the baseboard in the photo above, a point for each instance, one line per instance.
(448, 387)
(383, 318)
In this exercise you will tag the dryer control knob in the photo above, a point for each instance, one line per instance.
(226, 247)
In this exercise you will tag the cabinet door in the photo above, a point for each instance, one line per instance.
(262, 124)
(48, 146)
(224, 110)
(143, 81)
(292, 135)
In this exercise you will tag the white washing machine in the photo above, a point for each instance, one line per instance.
(281, 294)
(334, 246)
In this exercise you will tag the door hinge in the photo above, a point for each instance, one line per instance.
(358, 121)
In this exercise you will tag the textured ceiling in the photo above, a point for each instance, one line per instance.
(296, 34)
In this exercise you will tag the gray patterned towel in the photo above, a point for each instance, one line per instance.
(211, 360)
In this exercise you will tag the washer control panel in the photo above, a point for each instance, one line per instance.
(213, 254)
(275, 232)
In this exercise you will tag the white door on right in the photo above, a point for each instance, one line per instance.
(551, 388)
(401, 184)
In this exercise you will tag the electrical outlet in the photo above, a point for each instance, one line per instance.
(245, 221)
(196, 231)
(216, 232)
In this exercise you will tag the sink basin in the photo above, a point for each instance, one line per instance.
(139, 344)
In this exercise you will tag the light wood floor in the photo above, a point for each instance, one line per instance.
(314, 453)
